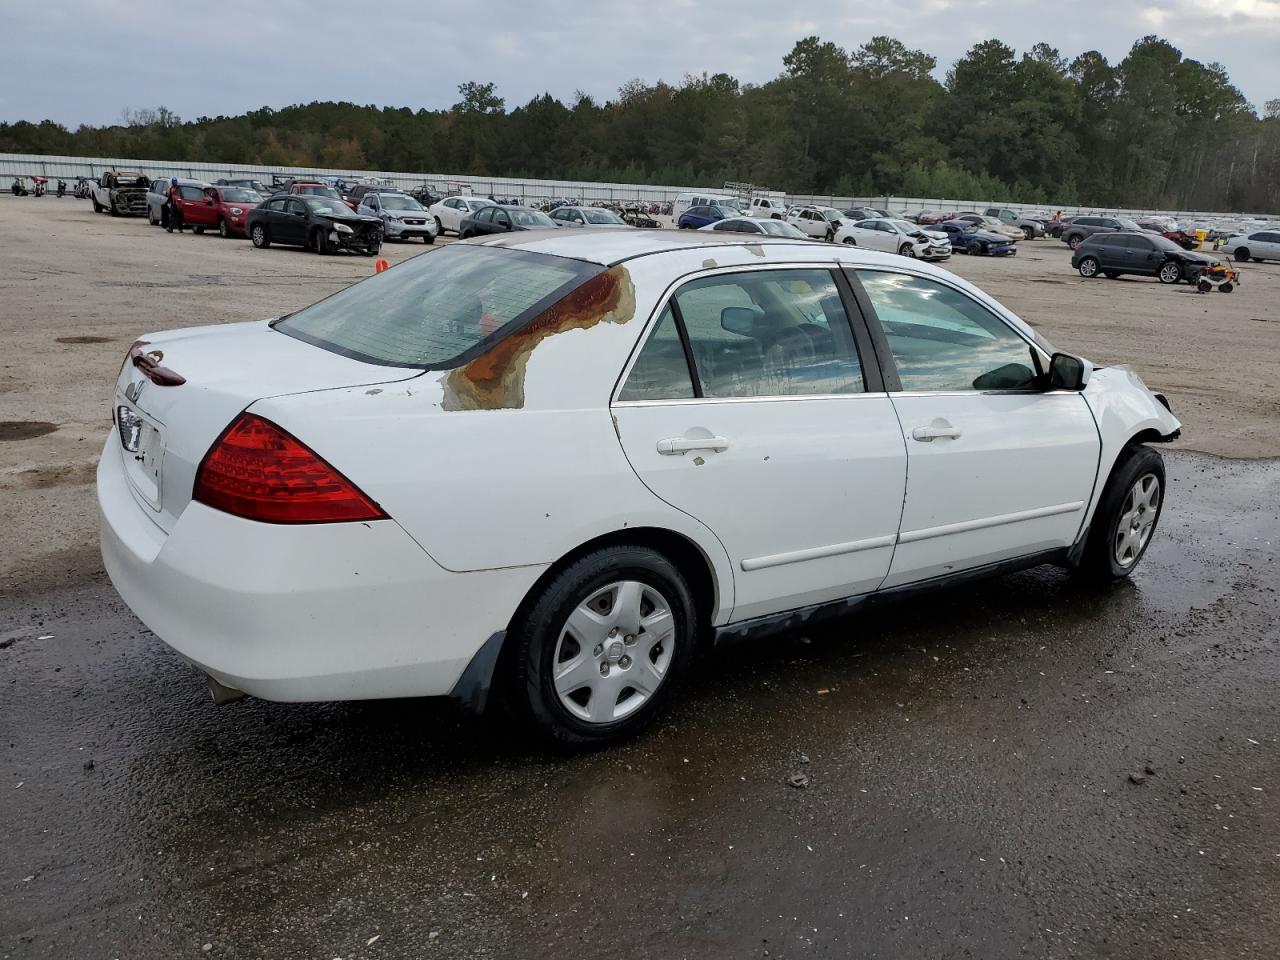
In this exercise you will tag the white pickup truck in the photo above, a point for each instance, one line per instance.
(121, 193)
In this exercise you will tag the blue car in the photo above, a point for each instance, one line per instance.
(696, 217)
(966, 238)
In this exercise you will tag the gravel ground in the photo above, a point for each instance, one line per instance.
(1029, 767)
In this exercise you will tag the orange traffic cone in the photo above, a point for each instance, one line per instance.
(380, 266)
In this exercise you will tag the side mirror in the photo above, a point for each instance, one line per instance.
(1067, 372)
(740, 320)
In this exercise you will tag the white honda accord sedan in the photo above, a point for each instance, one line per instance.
(549, 466)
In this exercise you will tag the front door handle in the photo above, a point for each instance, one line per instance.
(930, 433)
(678, 446)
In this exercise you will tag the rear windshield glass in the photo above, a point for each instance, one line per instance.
(437, 309)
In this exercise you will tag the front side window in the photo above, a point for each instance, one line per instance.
(769, 333)
(942, 339)
(432, 310)
(191, 193)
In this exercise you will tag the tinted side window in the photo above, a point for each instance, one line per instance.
(770, 333)
(191, 193)
(1138, 243)
(943, 340)
(661, 372)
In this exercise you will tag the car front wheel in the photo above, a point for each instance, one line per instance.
(1170, 272)
(1127, 514)
(1242, 254)
(602, 646)
(1088, 267)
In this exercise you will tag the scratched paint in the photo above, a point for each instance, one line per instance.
(495, 379)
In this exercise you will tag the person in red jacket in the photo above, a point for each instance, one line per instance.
(175, 209)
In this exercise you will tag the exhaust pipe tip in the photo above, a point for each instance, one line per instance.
(221, 693)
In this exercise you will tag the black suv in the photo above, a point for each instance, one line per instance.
(1081, 227)
(1145, 254)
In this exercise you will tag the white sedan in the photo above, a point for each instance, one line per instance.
(896, 236)
(451, 211)
(552, 464)
(1256, 246)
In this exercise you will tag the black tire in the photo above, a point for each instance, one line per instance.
(1089, 267)
(1256, 259)
(97, 207)
(113, 209)
(1028, 233)
(1242, 254)
(534, 640)
(320, 242)
(259, 237)
(152, 218)
(1074, 240)
(1167, 275)
(849, 241)
(1204, 286)
(428, 239)
(439, 228)
(1226, 288)
(1100, 562)
(223, 230)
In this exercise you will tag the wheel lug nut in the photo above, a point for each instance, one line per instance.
(598, 650)
(624, 662)
(629, 639)
(604, 669)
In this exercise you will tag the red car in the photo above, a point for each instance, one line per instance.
(317, 188)
(218, 208)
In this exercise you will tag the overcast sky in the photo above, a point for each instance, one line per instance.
(83, 61)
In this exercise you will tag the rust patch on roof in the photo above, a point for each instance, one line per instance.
(495, 379)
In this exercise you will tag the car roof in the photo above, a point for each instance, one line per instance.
(609, 247)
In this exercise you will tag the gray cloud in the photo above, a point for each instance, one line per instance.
(82, 61)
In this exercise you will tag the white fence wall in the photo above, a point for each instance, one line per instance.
(13, 164)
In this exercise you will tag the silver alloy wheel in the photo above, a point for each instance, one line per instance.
(1171, 272)
(908, 251)
(259, 234)
(1088, 267)
(1137, 519)
(614, 651)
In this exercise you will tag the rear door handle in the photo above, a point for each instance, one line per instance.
(678, 446)
(931, 433)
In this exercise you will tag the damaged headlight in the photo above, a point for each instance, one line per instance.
(342, 228)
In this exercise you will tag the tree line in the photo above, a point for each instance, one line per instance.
(1154, 130)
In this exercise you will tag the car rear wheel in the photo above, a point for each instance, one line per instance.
(1242, 254)
(850, 241)
(1088, 267)
(259, 236)
(1170, 272)
(602, 646)
(152, 218)
(223, 230)
(1127, 514)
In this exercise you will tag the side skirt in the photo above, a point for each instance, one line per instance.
(774, 623)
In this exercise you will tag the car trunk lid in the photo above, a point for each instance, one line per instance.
(178, 391)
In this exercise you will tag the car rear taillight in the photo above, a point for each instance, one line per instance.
(261, 472)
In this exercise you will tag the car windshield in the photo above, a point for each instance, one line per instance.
(530, 218)
(905, 225)
(732, 206)
(1128, 224)
(391, 201)
(239, 195)
(601, 216)
(431, 310)
(831, 214)
(780, 228)
(325, 206)
(320, 192)
(477, 204)
(1164, 243)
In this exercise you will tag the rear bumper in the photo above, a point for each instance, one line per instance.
(342, 611)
